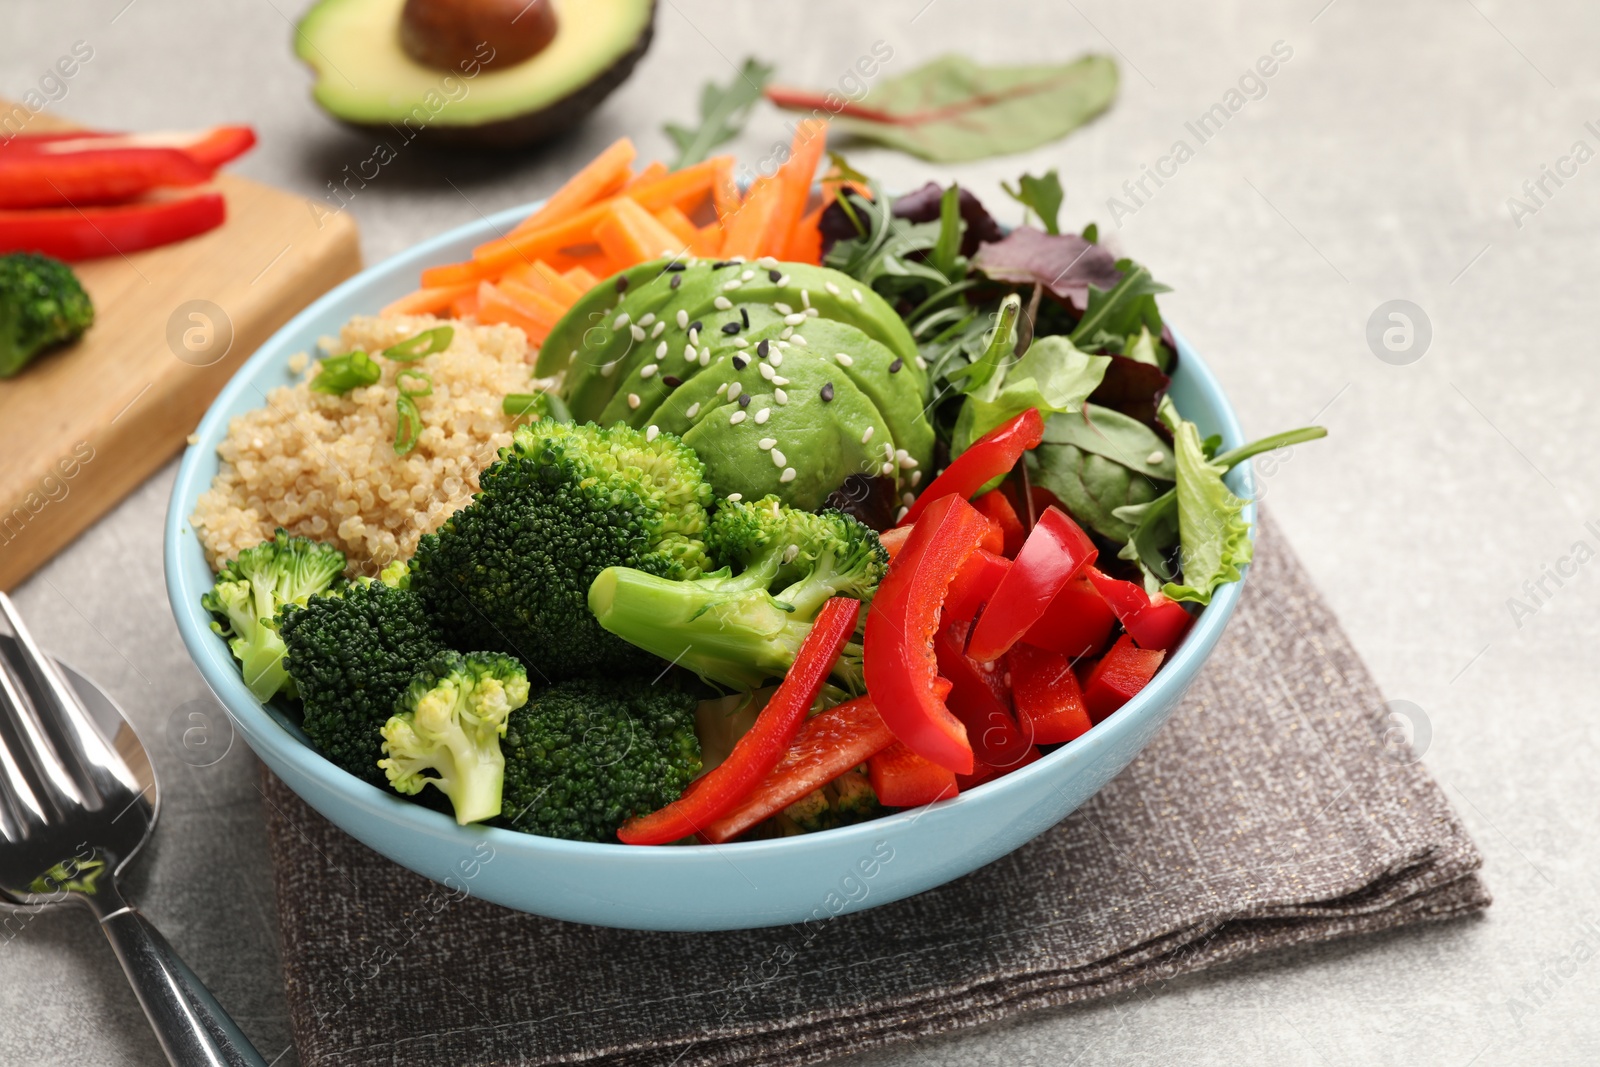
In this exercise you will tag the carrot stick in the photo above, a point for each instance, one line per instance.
(542, 307)
(805, 240)
(706, 242)
(599, 179)
(581, 279)
(795, 178)
(724, 190)
(562, 291)
(746, 231)
(430, 301)
(681, 187)
(493, 257)
(632, 235)
(451, 274)
(496, 305)
(653, 173)
(465, 307)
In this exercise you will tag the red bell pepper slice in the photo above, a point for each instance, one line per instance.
(903, 779)
(827, 745)
(1157, 622)
(92, 176)
(990, 456)
(1055, 552)
(974, 585)
(996, 506)
(86, 233)
(1120, 674)
(210, 148)
(716, 792)
(894, 540)
(1045, 692)
(897, 654)
(1078, 621)
(1042, 498)
(981, 699)
(983, 772)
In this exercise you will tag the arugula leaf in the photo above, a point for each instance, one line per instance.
(723, 113)
(1042, 196)
(1121, 311)
(885, 255)
(1052, 376)
(948, 246)
(952, 110)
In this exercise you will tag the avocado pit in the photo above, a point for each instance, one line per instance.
(454, 34)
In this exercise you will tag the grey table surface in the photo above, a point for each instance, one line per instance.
(1379, 163)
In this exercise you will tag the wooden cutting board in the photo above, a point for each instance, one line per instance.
(82, 427)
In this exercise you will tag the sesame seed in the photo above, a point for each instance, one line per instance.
(740, 363)
(740, 342)
(648, 318)
(637, 331)
(916, 478)
(722, 303)
(774, 275)
(763, 415)
(894, 368)
(620, 321)
(694, 336)
(797, 339)
(729, 287)
(734, 498)
(908, 499)
(747, 275)
(834, 289)
(633, 400)
(677, 280)
(730, 327)
(783, 280)
(782, 309)
(922, 364)
(609, 369)
(778, 379)
(780, 396)
(733, 390)
(805, 297)
(888, 469)
(737, 259)
(906, 462)
(790, 553)
(652, 432)
(765, 442)
(787, 475)
(661, 350)
(794, 320)
(694, 327)
(744, 400)
(723, 388)
(1155, 457)
(694, 409)
(767, 261)
(671, 382)
(788, 332)
(736, 418)
(763, 348)
(778, 458)
(647, 370)
(813, 312)
(719, 264)
(683, 319)
(705, 357)
(660, 328)
(689, 353)
(673, 266)
(866, 435)
(767, 372)
(844, 359)
(901, 514)
(622, 283)
(744, 317)
(857, 294)
(827, 392)
(777, 359)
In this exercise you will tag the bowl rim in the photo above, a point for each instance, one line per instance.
(260, 726)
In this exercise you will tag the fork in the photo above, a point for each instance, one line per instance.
(75, 806)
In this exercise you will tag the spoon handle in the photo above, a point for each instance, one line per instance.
(192, 1027)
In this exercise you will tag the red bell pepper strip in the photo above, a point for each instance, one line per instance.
(1055, 552)
(981, 699)
(1120, 674)
(996, 506)
(983, 772)
(720, 789)
(990, 456)
(1157, 622)
(210, 148)
(92, 176)
(1042, 498)
(1045, 692)
(895, 539)
(86, 233)
(903, 779)
(974, 584)
(827, 745)
(1078, 621)
(897, 654)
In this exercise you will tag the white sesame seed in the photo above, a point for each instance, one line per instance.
(888, 450)
(747, 275)
(778, 379)
(689, 353)
(888, 468)
(694, 337)
(660, 328)
(722, 303)
(906, 462)
(790, 553)
(734, 389)
(805, 297)
(813, 312)
(782, 309)
(652, 432)
(783, 280)
(705, 357)
(647, 370)
(736, 418)
(694, 409)
(780, 396)
(794, 320)
(1155, 457)
(723, 388)
(778, 458)
(900, 453)
(734, 498)
(922, 364)
(768, 261)
(767, 372)
(857, 294)
(683, 319)
(916, 478)
(648, 318)
(908, 499)
(620, 321)
(788, 332)
(776, 359)
(844, 359)
(637, 332)
(901, 514)
(834, 289)
(787, 475)
(661, 350)
(866, 435)
(609, 369)
(736, 259)
(633, 400)
(801, 341)
(762, 415)
(765, 442)
(729, 287)
(740, 342)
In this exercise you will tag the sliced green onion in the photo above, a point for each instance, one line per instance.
(338, 375)
(423, 378)
(426, 343)
(408, 426)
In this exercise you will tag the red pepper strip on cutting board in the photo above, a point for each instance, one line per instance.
(210, 148)
(87, 233)
(897, 655)
(990, 456)
(720, 789)
(830, 743)
(92, 176)
(1054, 554)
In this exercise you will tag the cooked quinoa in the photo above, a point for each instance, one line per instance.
(325, 466)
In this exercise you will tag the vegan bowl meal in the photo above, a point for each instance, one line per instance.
(684, 514)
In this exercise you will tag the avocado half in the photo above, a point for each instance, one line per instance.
(366, 80)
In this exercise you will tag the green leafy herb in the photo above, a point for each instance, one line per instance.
(538, 405)
(1117, 314)
(1095, 488)
(947, 248)
(1042, 196)
(1213, 535)
(1052, 376)
(337, 375)
(426, 343)
(952, 109)
(1091, 233)
(723, 113)
(884, 256)
(1117, 437)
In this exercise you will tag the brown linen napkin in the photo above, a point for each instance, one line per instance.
(1268, 813)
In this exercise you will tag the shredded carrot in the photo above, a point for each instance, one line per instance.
(429, 301)
(600, 179)
(795, 178)
(747, 229)
(724, 190)
(804, 244)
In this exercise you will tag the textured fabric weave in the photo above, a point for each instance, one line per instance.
(1268, 813)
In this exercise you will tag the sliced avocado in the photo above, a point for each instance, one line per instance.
(366, 79)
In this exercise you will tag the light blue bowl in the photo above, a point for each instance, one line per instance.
(761, 883)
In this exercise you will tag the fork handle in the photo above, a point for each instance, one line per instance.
(193, 1029)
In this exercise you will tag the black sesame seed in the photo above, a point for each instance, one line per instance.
(763, 348)
(894, 368)
(740, 363)
(744, 400)
(695, 325)
(730, 328)
(827, 393)
(675, 267)
(671, 381)
(744, 317)
(773, 275)
(622, 283)
(677, 280)
(722, 263)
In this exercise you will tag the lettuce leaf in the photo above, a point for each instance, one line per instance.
(1052, 376)
(1212, 532)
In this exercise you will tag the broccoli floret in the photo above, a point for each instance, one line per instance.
(250, 592)
(396, 575)
(737, 630)
(42, 305)
(352, 654)
(511, 571)
(847, 799)
(446, 730)
(584, 756)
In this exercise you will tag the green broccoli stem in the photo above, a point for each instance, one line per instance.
(475, 787)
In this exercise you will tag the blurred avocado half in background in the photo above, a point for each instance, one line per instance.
(486, 73)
